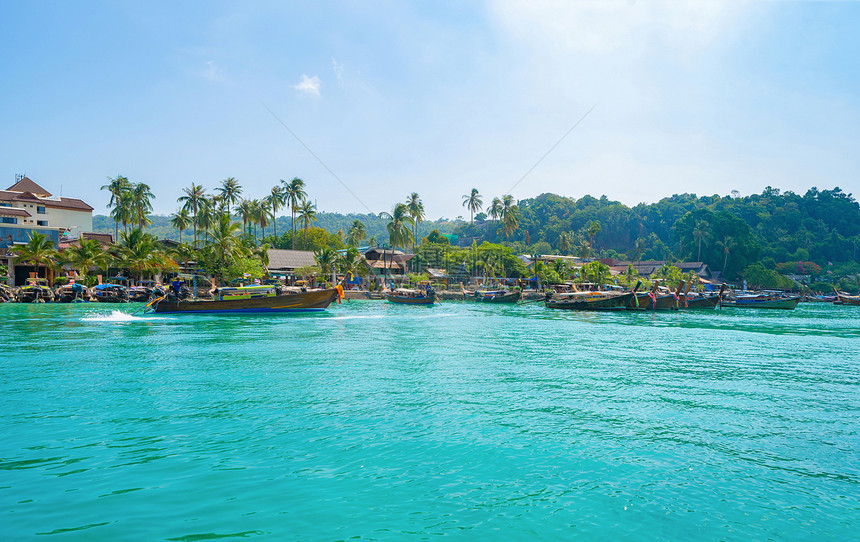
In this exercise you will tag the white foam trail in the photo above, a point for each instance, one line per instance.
(114, 316)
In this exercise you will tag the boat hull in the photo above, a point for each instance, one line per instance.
(613, 303)
(303, 302)
(410, 300)
(511, 297)
(853, 300)
(787, 303)
(710, 302)
(35, 294)
(662, 303)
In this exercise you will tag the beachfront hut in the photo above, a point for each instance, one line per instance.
(284, 263)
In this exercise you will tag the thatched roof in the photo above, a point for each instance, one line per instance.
(289, 260)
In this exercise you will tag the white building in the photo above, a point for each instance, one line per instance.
(26, 207)
(42, 210)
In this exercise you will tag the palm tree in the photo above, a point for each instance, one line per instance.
(180, 220)
(86, 254)
(294, 192)
(593, 230)
(264, 213)
(262, 252)
(206, 215)
(256, 210)
(276, 200)
(245, 210)
(510, 215)
(123, 210)
(307, 214)
(474, 203)
(700, 231)
(191, 201)
(496, 209)
(564, 242)
(326, 259)
(399, 233)
(727, 244)
(230, 192)
(141, 201)
(225, 243)
(39, 251)
(356, 233)
(349, 261)
(184, 253)
(116, 187)
(416, 213)
(139, 251)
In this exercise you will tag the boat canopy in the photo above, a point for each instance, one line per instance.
(107, 286)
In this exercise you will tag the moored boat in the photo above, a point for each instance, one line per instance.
(35, 292)
(72, 293)
(763, 301)
(248, 300)
(845, 299)
(139, 294)
(109, 293)
(654, 300)
(589, 301)
(410, 296)
(700, 301)
(497, 296)
(7, 294)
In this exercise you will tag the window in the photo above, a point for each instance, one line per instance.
(41, 222)
(8, 220)
(40, 210)
(5, 204)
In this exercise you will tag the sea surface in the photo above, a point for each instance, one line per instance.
(375, 421)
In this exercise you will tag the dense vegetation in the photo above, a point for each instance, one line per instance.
(760, 238)
(731, 232)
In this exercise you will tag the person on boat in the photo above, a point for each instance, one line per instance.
(176, 286)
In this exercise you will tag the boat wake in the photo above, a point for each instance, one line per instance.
(116, 316)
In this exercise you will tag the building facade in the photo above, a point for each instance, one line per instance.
(27, 208)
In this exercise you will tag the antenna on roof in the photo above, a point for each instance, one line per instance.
(19, 176)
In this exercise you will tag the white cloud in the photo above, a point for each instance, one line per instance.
(309, 85)
(338, 71)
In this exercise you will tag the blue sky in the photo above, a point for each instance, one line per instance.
(431, 97)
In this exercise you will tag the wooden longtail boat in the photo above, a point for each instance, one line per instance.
(651, 301)
(698, 301)
(497, 296)
(7, 295)
(849, 300)
(845, 299)
(139, 294)
(109, 293)
(35, 292)
(411, 297)
(654, 301)
(237, 302)
(72, 293)
(763, 301)
(590, 301)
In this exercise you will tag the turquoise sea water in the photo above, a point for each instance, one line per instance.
(375, 421)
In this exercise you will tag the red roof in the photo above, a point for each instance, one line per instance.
(27, 185)
(12, 211)
(60, 203)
